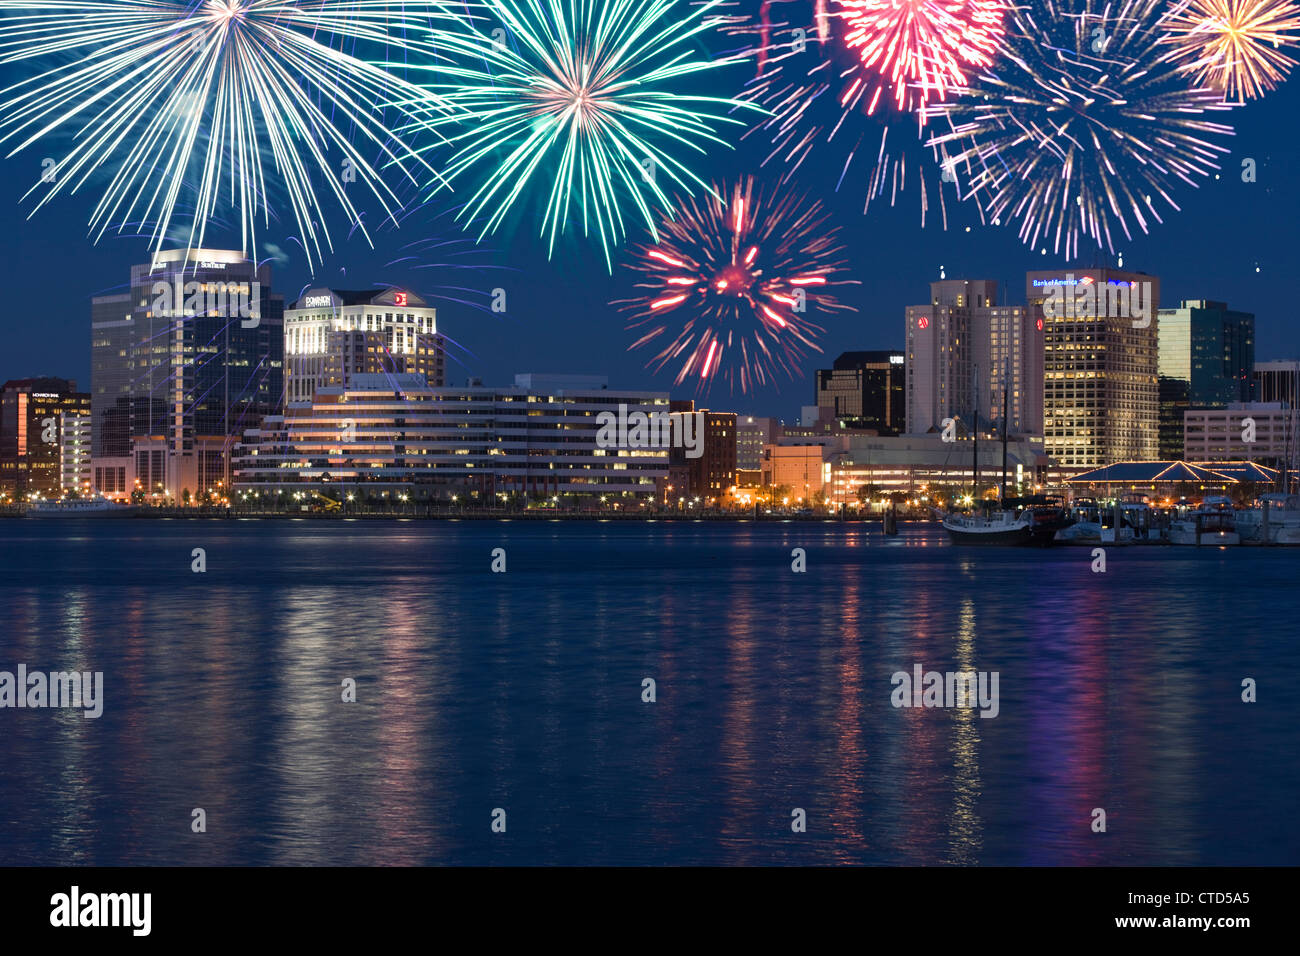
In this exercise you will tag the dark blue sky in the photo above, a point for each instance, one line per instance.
(559, 319)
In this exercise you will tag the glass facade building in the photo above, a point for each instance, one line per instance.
(184, 362)
(1207, 360)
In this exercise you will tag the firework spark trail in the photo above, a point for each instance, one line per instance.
(859, 66)
(592, 95)
(916, 51)
(173, 100)
(727, 289)
(1234, 46)
(1082, 126)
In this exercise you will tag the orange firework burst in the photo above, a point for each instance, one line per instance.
(1235, 46)
(730, 289)
(917, 50)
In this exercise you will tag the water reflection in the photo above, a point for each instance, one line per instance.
(524, 691)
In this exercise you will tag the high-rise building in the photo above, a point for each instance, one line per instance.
(184, 362)
(1278, 382)
(1100, 394)
(39, 429)
(331, 335)
(1207, 360)
(866, 390)
(964, 336)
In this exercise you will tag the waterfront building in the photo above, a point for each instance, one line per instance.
(1169, 480)
(865, 390)
(397, 433)
(183, 363)
(1099, 337)
(837, 467)
(1206, 360)
(330, 335)
(42, 440)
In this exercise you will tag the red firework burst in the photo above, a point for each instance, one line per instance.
(916, 50)
(730, 288)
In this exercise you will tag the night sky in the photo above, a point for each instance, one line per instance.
(559, 319)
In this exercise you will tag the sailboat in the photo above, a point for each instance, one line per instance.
(1016, 521)
(990, 527)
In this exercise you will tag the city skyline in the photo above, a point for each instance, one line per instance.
(1200, 252)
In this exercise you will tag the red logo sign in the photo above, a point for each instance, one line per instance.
(399, 298)
(1040, 325)
(922, 323)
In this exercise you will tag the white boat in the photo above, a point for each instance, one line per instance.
(96, 507)
(1212, 523)
(1283, 520)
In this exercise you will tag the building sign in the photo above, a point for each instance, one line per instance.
(317, 301)
(897, 359)
(399, 298)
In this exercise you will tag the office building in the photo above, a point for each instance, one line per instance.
(330, 335)
(1241, 431)
(964, 336)
(866, 390)
(1100, 391)
(752, 434)
(1206, 360)
(41, 429)
(383, 432)
(183, 363)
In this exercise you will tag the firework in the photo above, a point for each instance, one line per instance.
(860, 76)
(1234, 46)
(916, 50)
(589, 98)
(727, 290)
(181, 105)
(1082, 129)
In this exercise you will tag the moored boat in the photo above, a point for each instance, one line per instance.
(1212, 523)
(96, 507)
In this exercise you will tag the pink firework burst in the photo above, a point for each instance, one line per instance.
(916, 51)
(732, 288)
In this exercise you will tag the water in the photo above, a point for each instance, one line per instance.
(522, 691)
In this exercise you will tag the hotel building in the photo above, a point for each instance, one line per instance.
(387, 432)
(181, 364)
(1100, 395)
(43, 451)
(331, 335)
(963, 336)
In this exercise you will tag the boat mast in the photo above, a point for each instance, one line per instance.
(1005, 407)
(975, 444)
